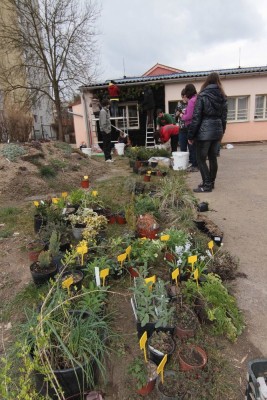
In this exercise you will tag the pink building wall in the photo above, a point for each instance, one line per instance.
(245, 131)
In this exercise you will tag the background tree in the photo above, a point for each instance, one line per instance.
(54, 42)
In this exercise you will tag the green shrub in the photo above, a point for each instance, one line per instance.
(65, 147)
(48, 171)
(58, 164)
(12, 151)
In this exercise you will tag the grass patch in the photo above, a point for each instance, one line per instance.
(47, 171)
(15, 219)
(65, 147)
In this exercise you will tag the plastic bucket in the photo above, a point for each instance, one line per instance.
(180, 160)
(87, 150)
(120, 148)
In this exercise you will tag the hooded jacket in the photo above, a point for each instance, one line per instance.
(210, 115)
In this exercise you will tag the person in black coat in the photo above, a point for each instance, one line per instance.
(207, 128)
(149, 104)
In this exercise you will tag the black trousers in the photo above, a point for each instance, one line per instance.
(106, 145)
(207, 149)
(174, 142)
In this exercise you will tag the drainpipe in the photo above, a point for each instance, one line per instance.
(87, 126)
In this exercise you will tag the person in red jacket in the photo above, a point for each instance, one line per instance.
(114, 97)
(166, 133)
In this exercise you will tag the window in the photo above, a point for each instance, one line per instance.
(237, 108)
(131, 116)
(260, 107)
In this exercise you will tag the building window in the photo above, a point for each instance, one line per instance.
(130, 114)
(237, 108)
(260, 107)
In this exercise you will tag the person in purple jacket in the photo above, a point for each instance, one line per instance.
(191, 96)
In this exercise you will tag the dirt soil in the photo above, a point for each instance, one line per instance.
(237, 206)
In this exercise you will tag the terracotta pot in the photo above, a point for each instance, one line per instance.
(85, 183)
(147, 178)
(133, 272)
(169, 256)
(145, 390)
(121, 220)
(112, 219)
(200, 357)
(150, 234)
(34, 249)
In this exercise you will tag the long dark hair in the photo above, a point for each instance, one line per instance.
(190, 90)
(213, 78)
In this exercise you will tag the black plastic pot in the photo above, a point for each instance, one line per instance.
(41, 277)
(155, 355)
(38, 222)
(149, 328)
(75, 286)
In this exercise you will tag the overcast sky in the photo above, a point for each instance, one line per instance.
(192, 35)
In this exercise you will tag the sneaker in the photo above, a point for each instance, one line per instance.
(202, 189)
(193, 169)
(212, 185)
(109, 161)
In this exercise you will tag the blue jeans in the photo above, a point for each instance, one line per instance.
(114, 108)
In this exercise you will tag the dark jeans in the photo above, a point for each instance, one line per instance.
(114, 108)
(193, 155)
(183, 143)
(204, 149)
(174, 142)
(106, 145)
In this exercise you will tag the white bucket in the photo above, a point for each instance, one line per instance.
(87, 150)
(120, 148)
(180, 160)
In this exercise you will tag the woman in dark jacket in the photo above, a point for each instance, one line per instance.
(207, 128)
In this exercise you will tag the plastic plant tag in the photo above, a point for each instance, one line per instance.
(67, 282)
(85, 177)
(94, 193)
(82, 250)
(165, 238)
(175, 275)
(210, 246)
(55, 200)
(36, 203)
(134, 309)
(97, 277)
(142, 343)
(64, 194)
(150, 280)
(196, 275)
(128, 251)
(160, 369)
(192, 260)
(103, 274)
(121, 258)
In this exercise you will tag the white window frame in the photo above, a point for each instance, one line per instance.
(238, 114)
(260, 113)
(128, 122)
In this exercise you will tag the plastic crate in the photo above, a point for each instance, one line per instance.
(256, 368)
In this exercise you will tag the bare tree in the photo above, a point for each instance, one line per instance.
(54, 42)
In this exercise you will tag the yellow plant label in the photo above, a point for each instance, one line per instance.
(192, 260)
(55, 200)
(103, 274)
(210, 246)
(160, 369)
(150, 280)
(143, 238)
(67, 282)
(36, 203)
(128, 251)
(142, 343)
(196, 274)
(175, 275)
(85, 177)
(64, 194)
(165, 238)
(121, 258)
(94, 193)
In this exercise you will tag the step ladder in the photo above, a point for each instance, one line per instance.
(150, 129)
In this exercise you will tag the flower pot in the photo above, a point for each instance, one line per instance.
(149, 328)
(77, 232)
(133, 272)
(85, 183)
(148, 388)
(147, 178)
(152, 376)
(170, 389)
(169, 256)
(192, 357)
(187, 323)
(77, 276)
(42, 276)
(168, 344)
(148, 233)
(120, 219)
(112, 219)
(34, 249)
(38, 222)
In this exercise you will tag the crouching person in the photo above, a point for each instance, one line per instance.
(166, 133)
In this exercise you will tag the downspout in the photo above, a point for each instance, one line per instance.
(87, 126)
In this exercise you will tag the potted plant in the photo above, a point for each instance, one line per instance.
(34, 248)
(145, 375)
(171, 388)
(68, 345)
(40, 215)
(185, 322)
(43, 269)
(147, 226)
(191, 357)
(160, 343)
(175, 238)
